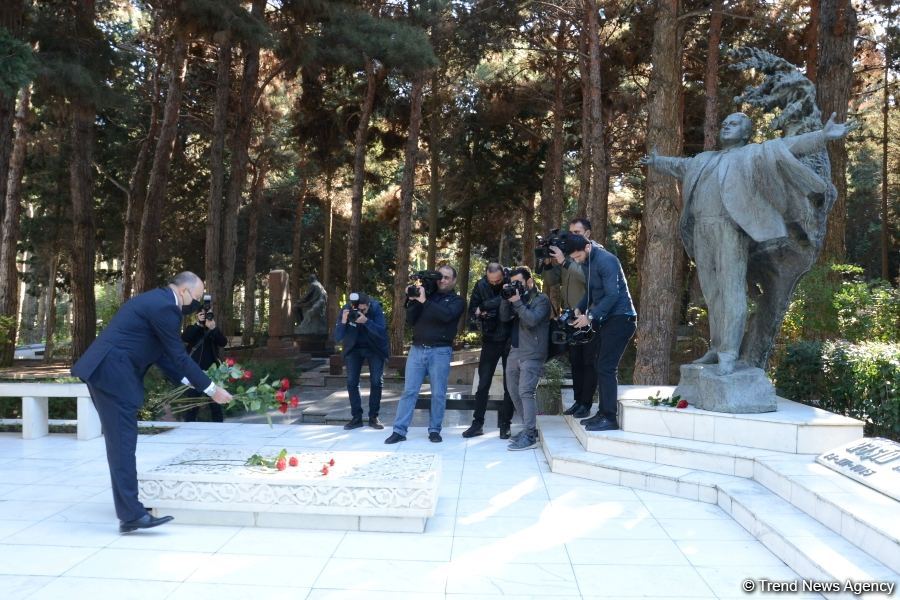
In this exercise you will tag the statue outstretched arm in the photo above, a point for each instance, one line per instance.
(669, 165)
(814, 141)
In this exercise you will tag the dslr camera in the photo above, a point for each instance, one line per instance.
(354, 312)
(510, 289)
(425, 279)
(554, 238)
(484, 321)
(206, 309)
(567, 333)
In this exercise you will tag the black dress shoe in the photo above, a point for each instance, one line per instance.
(375, 423)
(473, 431)
(435, 437)
(603, 424)
(354, 423)
(145, 522)
(394, 438)
(581, 412)
(571, 410)
(504, 432)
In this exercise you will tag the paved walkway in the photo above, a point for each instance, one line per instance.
(505, 526)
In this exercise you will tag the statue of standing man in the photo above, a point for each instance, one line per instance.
(736, 200)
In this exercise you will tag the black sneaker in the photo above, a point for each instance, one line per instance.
(354, 423)
(504, 432)
(394, 438)
(603, 424)
(474, 431)
(375, 423)
(581, 412)
(435, 437)
(593, 419)
(571, 410)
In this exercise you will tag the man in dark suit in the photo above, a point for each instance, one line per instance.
(146, 330)
(364, 334)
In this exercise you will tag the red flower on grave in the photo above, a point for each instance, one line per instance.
(285, 384)
(281, 464)
(282, 408)
(229, 362)
(682, 404)
(294, 461)
(324, 469)
(295, 401)
(331, 462)
(248, 374)
(279, 395)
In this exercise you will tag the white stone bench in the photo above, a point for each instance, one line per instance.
(363, 491)
(35, 410)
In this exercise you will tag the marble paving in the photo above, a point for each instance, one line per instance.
(504, 525)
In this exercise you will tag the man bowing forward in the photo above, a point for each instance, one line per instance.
(146, 330)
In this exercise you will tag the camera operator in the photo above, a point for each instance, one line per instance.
(203, 340)
(484, 312)
(562, 271)
(362, 329)
(607, 305)
(434, 317)
(530, 310)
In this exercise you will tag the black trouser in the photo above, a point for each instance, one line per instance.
(615, 333)
(582, 358)
(217, 413)
(491, 352)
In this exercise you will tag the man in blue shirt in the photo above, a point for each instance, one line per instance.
(608, 308)
(363, 332)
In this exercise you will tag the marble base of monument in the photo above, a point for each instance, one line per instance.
(747, 390)
(874, 462)
(362, 491)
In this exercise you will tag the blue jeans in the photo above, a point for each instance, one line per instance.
(434, 362)
(354, 361)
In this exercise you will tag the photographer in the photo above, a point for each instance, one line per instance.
(484, 314)
(434, 316)
(203, 340)
(530, 337)
(362, 329)
(562, 271)
(607, 306)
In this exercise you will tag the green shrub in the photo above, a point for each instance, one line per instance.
(857, 380)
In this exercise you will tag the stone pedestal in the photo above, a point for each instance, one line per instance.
(279, 309)
(747, 390)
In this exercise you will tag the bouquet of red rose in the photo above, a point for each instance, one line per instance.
(263, 397)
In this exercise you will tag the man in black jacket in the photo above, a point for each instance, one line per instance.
(203, 340)
(434, 318)
(484, 309)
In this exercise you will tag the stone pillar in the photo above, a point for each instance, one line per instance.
(279, 307)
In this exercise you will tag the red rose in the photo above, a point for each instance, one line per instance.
(229, 362)
(285, 383)
(331, 462)
(248, 374)
(682, 404)
(282, 408)
(281, 464)
(295, 401)
(294, 461)
(324, 469)
(279, 395)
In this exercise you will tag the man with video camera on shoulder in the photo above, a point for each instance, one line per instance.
(484, 316)
(434, 314)
(561, 270)
(203, 340)
(530, 312)
(362, 329)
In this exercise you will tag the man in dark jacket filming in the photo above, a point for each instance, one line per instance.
(484, 311)
(203, 340)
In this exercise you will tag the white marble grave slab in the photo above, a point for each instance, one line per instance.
(874, 462)
(214, 485)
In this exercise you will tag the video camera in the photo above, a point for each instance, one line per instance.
(567, 333)
(426, 279)
(554, 238)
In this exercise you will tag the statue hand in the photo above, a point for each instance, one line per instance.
(650, 159)
(835, 131)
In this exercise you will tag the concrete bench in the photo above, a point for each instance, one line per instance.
(35, 410)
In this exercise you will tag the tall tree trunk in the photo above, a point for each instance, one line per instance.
(137, 186)
(660, 273)
(598, 207)
(465, 264)
(885, 215)
(811, 39)
(297, 239)
(373, 77)
(50, 329)
(240, 145)
(213, 259)
(837, 32)
(434, 149)
(81, 265)
(711, 113)
(404, 227)
(328, 218)
(259, 183)
(11, 15)
(528, 232)
(552, 191)
(9, 274)
(148, 242)
(584, 169)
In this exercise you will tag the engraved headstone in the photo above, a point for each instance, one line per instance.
(874, 462)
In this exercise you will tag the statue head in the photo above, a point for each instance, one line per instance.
(312, 278)
(736, 130)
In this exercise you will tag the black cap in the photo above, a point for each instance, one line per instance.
(576, 242)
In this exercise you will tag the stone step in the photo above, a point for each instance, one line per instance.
(794, 427)
(804, 543)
